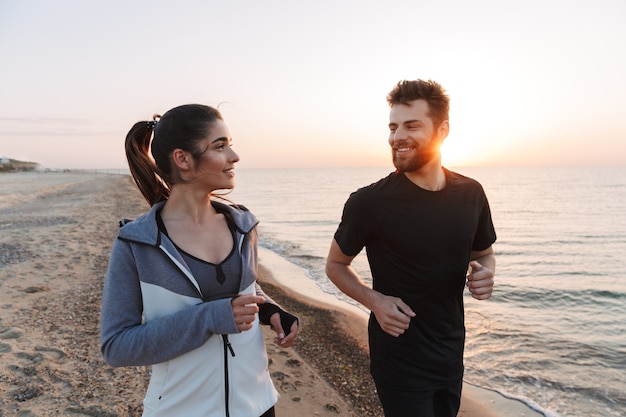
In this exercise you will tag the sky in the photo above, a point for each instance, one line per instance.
(304, 84)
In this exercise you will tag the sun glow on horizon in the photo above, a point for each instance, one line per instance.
(456, 153)
(529, 85)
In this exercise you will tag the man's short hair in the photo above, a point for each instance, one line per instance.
(430, 91)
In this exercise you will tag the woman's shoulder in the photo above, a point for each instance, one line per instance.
(143, 228)
(242, 218)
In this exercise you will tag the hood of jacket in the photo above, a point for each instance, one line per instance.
(144, 229)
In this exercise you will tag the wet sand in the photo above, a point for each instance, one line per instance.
(56, 231)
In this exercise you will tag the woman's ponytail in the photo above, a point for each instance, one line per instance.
(143, 169)
(184, 127)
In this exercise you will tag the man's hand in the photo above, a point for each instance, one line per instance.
(393, 315)
(245, 309)
(480, 281)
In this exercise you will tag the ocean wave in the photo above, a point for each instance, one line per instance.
(613, 398)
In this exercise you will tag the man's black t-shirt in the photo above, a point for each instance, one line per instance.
(418, 244)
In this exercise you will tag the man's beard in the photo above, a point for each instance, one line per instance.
(422, 156)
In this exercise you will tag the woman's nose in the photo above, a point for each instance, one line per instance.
(234, 157)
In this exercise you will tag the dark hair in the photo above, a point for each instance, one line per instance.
(430, 91)
(182, 127)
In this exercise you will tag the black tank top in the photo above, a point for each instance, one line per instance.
(215, 280)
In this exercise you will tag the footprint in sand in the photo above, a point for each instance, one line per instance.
(293, 363)
(5, 348)
(57, 356)
(28, 364)
(42, 353)
(282, 381)
(92, 411)
(29, 359)
(10, 333)
(33, 290)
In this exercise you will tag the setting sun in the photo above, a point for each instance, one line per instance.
(457, 153)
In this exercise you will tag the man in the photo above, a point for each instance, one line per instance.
(427, 232)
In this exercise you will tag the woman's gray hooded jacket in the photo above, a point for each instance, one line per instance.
(153, 313)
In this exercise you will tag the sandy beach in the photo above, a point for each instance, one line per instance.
(56, 231)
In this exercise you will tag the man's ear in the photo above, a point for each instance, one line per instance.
(443, 130)
(182, 159)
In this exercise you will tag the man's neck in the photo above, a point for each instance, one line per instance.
(431, 177)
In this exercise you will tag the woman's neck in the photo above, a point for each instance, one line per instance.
(185, 203)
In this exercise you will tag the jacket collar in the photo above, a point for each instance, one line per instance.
(144, 229)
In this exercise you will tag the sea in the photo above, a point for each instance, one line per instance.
(553, 335)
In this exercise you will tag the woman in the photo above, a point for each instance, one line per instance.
(181, 291)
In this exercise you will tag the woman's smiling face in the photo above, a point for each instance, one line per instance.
(217, 162)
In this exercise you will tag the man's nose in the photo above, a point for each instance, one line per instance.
(402, 132)
(398, 134)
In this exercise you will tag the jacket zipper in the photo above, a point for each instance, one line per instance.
(227, 347)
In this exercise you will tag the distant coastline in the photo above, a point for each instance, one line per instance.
(13, 165)
(8, 165)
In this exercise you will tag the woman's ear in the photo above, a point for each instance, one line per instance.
(182, 160)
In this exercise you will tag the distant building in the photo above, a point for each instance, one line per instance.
(4, 160)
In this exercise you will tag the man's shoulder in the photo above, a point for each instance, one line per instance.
(378, 186)
(463, 186)
(461, 179)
